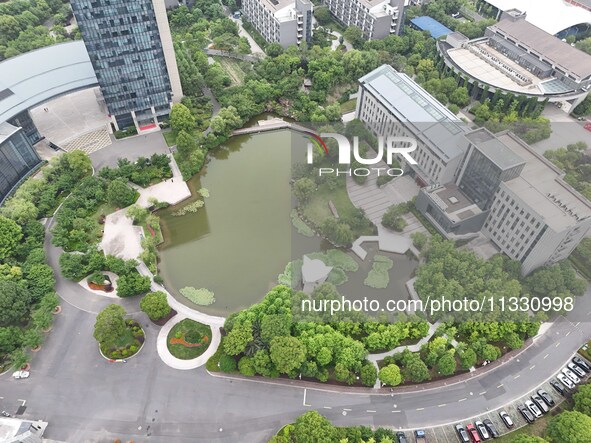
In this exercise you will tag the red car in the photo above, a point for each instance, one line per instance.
(473, 433)
(587, 126)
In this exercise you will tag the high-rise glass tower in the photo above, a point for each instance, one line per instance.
(130, 47)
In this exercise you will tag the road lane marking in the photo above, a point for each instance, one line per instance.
(482, 393)
(370, 411)
(568, 333)
(577, 324)
(462, 399)
(396, 411)
(348, 410)
(420, 409)
(441, 405)
(533, 366)
(327, 407)
(546, 356)
(304, 402)
(517, 376)
(557, 344)
(500, 386)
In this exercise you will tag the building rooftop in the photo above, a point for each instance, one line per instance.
(493, 148)
(553, 17)
(541, 186)
(40, 75)
(549, 47)
(410, 103)
(453, 202)
(426, 23)
(6, 130)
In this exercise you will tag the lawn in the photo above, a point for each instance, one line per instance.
(233, 68)
(192, 339)
(317, 209)
(348, 106)
(169, 137)
(127, 344)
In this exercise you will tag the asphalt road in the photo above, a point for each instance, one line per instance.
(85, 398)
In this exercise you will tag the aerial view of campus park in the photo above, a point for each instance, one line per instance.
(295, 221)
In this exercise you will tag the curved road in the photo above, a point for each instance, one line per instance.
(85, 398)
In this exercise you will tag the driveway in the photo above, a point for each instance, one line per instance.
(131, 148)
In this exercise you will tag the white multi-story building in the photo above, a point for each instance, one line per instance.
(376, 18)
(391, 103)
(287, 22)
(475, 181)
(536, 218)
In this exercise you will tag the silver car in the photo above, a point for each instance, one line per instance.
(533, 408)
(565, 380)
(571, 375)
(577, 370)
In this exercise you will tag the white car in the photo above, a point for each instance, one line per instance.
(533, 408)
(565, 380)
(577, 370)
(571, 375)
(20, 374)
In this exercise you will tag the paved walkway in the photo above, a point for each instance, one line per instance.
(183, 312)
(254, 46)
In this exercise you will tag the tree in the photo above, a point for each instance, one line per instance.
(323, 15)
(15, 300)
(120, 194)
(246, 366)
(287, 353)
(275, 326)
(313, 428)
(569, 427)
(468, 358)
(181, 118)
(185, 143)
(10, 236)
(138, 214)
(237, 339)
(11, 338)
(226, 120)
(390, 375)
(417, 371)
(368, 375)
(446, 364)
(110, 324)
(582, 399)
(155, 305)
(74, 266)
(354, 35)
(20, 210)
(303, 189)
(460, 97)
(40, 280)
(133, 284)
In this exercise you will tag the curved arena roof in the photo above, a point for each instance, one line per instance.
(37, 76)
(552, 16)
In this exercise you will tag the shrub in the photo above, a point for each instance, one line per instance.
(227, 363)
(368, 374)
(246, 367)
(155, 305)
(133, 284)
(193, 337)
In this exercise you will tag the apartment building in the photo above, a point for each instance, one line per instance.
(286, 22)
(391, 103)
(376, 18)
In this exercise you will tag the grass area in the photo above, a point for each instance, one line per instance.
(379, 275)
(191, 332)
(128, 344)
(234, 69)
(300, 225)
(169, 137)
(586, 352)
(317, 209)
(348, 106)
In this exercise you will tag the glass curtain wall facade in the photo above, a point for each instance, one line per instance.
(17, 158)
(125, 48)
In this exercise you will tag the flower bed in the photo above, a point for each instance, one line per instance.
(188, 339)
(100, 282)
(128, 344)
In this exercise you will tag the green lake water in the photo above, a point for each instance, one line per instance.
(241, 240)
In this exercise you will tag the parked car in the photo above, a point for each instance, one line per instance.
(582, 363)
(473, 433)
(541, 404)
(571, 376)
(529, 417)
(462, 434)
(420, 436)
(546, 397)
(20, 374)
(506, 419)
(558, 386)
(577, 370)
(482, 430)
(492, 429)
(587, 126)
(401, 436)
(6, 414)
(533, 408)
(565, 381)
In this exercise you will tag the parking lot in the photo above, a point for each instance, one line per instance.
(448, 434)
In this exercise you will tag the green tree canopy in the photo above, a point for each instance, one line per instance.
(390, 375)
(287, 353)
(110, 324)
(155, 305)
(10, 235)
(120, 194)
(569, 427)
(313, 428)
(15, 300)
(181, 118)
(582, 399)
